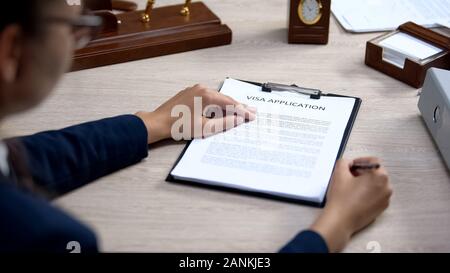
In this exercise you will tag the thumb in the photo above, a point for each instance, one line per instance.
(342, 168)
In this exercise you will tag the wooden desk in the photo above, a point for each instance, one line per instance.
(136, 210)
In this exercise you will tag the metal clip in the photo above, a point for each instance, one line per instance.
(270, 87)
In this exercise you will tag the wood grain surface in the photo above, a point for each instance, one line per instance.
(136, 210)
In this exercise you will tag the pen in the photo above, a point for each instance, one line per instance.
(364, 166)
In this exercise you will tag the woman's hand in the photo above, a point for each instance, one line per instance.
(353, 202)
(189, 115)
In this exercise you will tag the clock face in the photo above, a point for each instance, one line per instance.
(310, 11)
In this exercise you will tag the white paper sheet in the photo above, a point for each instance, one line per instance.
(289, 150)
(399, 46)
(444, 23)
(383, 15)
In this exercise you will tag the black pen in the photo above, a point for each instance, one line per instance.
(364, 166)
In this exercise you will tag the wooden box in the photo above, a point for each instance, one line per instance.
(413, 72)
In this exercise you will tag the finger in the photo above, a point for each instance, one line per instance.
(369, 160)
(214, 97)
(342, 168)
(250, 108)
(230, 105)
(243, 112)
(217, 125)
(341, 174)
(364, 161)
(381, 172)
(213, 111)
(343, 163)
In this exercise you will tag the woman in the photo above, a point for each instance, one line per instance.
(36, 42)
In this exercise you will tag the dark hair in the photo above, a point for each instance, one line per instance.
(26, 13)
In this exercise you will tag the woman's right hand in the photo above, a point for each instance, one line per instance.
(354, 201)
(160, 123)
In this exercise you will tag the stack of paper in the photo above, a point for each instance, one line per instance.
(398, 47)
(383, 15)
(444, 23)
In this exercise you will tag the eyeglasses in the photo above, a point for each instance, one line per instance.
(84, 28)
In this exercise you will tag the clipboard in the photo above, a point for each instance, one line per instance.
(314, 94)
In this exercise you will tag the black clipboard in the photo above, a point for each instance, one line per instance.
(344, 141)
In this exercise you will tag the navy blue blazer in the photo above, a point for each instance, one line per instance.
(63, 160)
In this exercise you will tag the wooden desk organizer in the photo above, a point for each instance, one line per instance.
(413, 73)
(128, 38)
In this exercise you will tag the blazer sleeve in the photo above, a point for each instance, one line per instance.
(28, 223)
(306, 241)
(62, 160)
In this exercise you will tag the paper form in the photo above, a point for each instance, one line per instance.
(384, 15)
(289, 150)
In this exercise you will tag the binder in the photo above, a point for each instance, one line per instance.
(315, 94)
